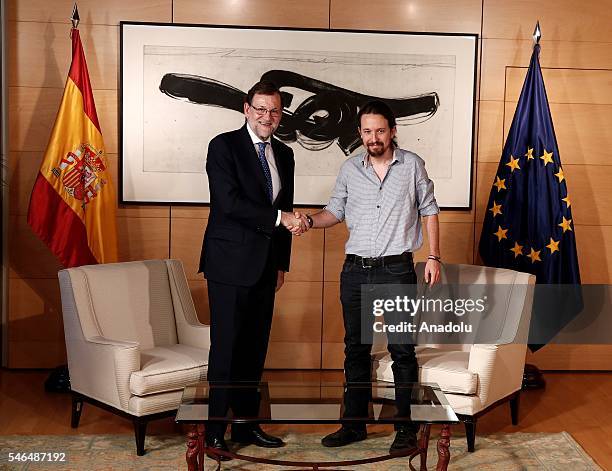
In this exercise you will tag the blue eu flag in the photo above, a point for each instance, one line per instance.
(528, 224)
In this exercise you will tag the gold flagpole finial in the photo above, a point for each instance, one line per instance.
(537, 33)
(75, 16)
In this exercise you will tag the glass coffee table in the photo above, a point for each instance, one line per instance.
(320, 402)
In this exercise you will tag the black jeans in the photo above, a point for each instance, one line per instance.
(358, 362)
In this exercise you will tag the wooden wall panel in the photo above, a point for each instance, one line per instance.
(23, 170)
(295, 339)
(283, 13)
(200, 212)
(594, 246)
(560, 20)
(570, 85)
(456, 243)
(29, 257)
(582, 129)
(42, 54)
(109, 12)
(590, 192)
(497, 54)
(199, 293)
(333, 327)
(308, 328)
(33, 112)
(486, 177)
(35, 328)
(143, 238)
(307, 257)
(335, 239)
(406, 15)
(136, 211)
(491, 135)
(186, 244)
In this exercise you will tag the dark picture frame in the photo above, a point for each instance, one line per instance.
(183, 84)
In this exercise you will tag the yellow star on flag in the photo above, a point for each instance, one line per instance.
(547, 157)
(529, 153)
(567, 201)
(517, 249)
(560, 175)
(513, 164)
(553, 246)
(500, 183)
(566, 224)
(496, 209)
(501, 233)
(534, 255)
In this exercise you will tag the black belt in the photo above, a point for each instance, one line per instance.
(374, 262)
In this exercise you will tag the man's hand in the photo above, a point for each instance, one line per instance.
(432, 272)
(280, 279)
(296, 222)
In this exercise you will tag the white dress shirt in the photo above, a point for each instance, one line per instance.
(276, 183)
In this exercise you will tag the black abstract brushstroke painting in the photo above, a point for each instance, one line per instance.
(328, 115)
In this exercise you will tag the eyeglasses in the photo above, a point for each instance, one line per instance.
(275, 113)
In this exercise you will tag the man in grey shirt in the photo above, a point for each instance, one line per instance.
(382, 194)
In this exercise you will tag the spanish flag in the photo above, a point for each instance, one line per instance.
(72, 206)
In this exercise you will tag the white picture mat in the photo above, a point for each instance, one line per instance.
(451, 174)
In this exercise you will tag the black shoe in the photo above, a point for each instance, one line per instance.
(218, 443)
(344, 436)
(256, 436)
(405, 439)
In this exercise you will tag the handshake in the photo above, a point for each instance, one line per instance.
(296, 223)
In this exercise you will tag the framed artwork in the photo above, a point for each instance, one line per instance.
(181, 85)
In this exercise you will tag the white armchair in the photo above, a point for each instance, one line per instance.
(476, 378)
(133, 339)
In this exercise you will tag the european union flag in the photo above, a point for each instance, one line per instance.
(528, 224)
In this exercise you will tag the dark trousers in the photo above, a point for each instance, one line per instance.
(357, 362)
(240, 322)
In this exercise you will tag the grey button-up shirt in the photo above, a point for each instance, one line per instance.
(383, 218)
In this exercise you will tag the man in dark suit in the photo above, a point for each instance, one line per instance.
(245, 255)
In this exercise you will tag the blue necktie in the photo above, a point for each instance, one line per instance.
(261, 153)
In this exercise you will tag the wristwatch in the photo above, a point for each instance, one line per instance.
(310, 221)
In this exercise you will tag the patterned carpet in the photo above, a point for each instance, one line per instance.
(504, 452)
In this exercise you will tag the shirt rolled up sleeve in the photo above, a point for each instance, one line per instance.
(337, 200)
(426, 201)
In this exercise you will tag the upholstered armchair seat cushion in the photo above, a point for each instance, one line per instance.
(168, 368)
(447, 369)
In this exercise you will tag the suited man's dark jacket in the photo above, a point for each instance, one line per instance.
(240, 231)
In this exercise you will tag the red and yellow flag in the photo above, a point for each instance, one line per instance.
(72, 206)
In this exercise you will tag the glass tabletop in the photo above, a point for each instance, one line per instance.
(316, 402)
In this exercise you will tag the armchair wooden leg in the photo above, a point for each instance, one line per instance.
(514, 407)
(77, 407)
(470, 432)
(140, 431)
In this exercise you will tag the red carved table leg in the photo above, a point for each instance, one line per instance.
(423, 445)
(443, 448)
(192, 449)
(201, 447)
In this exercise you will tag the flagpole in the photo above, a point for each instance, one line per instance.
(59, 378)
(532, 376)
